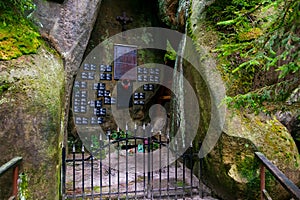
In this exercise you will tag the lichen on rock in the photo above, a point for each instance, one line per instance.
(31, 113)
(232, 169)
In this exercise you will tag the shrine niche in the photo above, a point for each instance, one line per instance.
(121, 83)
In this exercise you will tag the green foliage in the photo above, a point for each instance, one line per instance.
(97, 148)
(17, 37)
(95, 143)
(18, 5)
(23, 187)
(257, 100)
(282, 43)
(170, 54)
(154, 146)
(249, 169)
(120, 135)
(4, 86)
(251, 101)
(256, 36)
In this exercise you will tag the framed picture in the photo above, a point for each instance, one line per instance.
(125, 62)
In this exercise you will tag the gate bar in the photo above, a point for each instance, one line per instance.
(126, 135)
(63, 175)
(135, 170)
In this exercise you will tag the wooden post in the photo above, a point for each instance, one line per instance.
(262, 181)
(12, 164)
(280, 177)
(15, 181)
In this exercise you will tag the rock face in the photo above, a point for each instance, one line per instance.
(31, 114)
(291, 118)
(34, 106)
(67, 27)
(231, 168)
(172, 13)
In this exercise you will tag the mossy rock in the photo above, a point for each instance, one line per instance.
(18, 36)
(232, 169)
(250, 34)
(31, 107)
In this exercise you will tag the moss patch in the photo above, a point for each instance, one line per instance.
(17, 36)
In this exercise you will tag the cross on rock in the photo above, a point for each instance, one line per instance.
(124, 20)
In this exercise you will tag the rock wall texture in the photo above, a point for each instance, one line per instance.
(67, 27)
(230, 168)
(172, 13)
(34, 109)
(31, 114)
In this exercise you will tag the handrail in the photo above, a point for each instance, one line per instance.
(12, 164)
(280, 177)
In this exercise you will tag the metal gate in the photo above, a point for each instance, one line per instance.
(127, 166)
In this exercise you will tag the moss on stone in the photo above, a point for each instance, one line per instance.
(250, 34)
(35, 97)
(245, 133)
(17, 36)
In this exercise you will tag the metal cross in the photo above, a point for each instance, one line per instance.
(123, 20)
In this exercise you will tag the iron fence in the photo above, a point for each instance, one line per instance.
(128, 166)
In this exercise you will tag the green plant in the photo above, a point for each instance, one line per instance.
(95, 143)
(97, 149)
(18, 5)
(170, 54)
(23, 187)
(282, 42)
(120, 134)
(4, 86)
(17, 36)
(180, 183)
(154, 146)
(254, 38)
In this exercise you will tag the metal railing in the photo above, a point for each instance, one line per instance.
(105, 176)
(12, 164)
(279, 176)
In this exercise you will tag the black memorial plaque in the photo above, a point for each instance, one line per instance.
(108, 68)
(99, 86)
(102, 76)
(151, 75)
(108, 77)
(100, 93)
(102, 68)
(98, 103)
(107, 100)
(150, 87)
